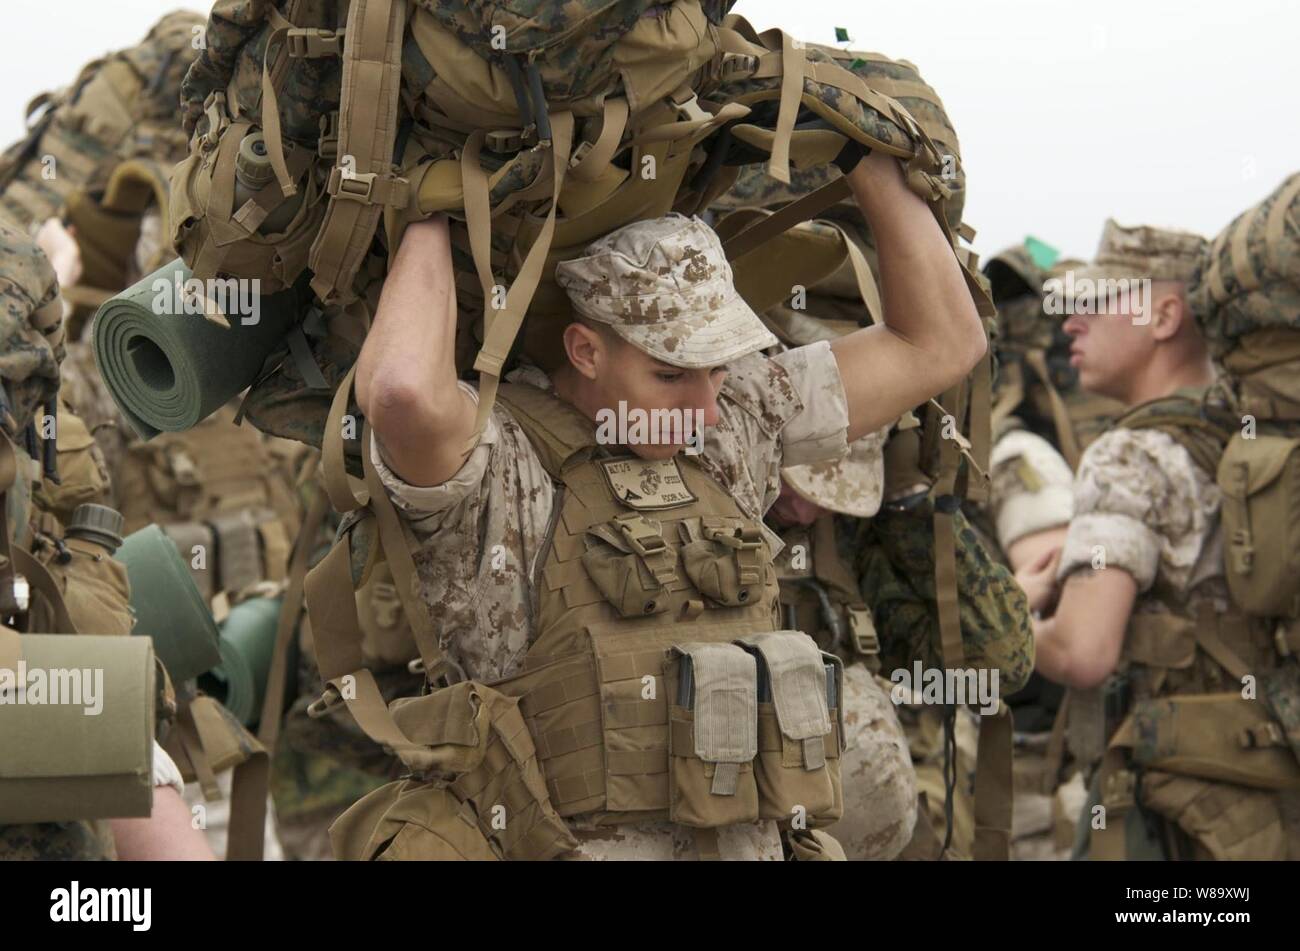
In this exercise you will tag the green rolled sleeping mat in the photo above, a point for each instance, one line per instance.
(79, 743)
(165, 355)
(168, 606)
(247, 643)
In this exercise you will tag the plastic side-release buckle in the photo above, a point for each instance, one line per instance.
(862, 630)
(328, 145)
(369, 188)
(312, 42)
(687, 104)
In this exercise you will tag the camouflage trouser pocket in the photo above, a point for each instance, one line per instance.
(799, 735)
(713, 735)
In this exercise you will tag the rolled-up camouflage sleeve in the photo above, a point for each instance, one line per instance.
(819, 431)
(425, 506)
(1140, 504)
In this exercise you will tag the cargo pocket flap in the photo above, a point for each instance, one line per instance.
(451, 718)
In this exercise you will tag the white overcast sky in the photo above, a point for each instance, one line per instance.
(1168, 112)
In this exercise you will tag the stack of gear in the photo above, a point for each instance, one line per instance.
(61, 771)
(1199, 727)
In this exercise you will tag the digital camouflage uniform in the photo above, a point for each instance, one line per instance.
(479, 533)
(1143, 505)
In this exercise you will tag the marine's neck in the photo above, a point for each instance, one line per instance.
(1163, 379)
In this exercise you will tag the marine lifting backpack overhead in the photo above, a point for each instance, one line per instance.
(536, 136)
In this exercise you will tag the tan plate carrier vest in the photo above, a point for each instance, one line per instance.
(621, 595)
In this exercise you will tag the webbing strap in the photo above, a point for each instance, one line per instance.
(1054, 756)
(993, 788)
(1066, 439)
(1011, 393)
(794, 60)
(1207, 637)
(8, 475)
(980, 429)
(372, 72)
(271, 72)
(334, 474)
(785, 218)
(868, 290)
(246, 832)
(192, 745)
(397, 552)
(1118, 794)
(592, 164)
(951, 652)
(336, 639)
(502, 326)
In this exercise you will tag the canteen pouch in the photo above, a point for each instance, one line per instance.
(482, 752)
(94, 588)
(723, 557)
(1260, 481)
(216, 235)
(798, 764)
(1222, 737)
(61, 762)
(713, 735)
(631, 564)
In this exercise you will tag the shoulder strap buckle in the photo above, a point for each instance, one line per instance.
(369, 188)
(312, 42)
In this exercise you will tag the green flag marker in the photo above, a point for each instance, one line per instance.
(841, 35)
(857, 62)
(1043, 254)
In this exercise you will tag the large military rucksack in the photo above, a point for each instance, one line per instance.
(461, 117)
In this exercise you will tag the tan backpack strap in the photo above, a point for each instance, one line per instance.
(372, 72)
(976, 486)
(1208, 639)
(794, 61)
(397, 551)
(1068, 442)
(1011, 393)
(501, 326)
(339, 486)
(1117, 784)
(336, 639)
(993, 788)
(786, 217)
(246, 831)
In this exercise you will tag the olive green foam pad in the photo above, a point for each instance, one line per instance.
(167, 365)
(247, 643)
(167, 604)
(64, 761)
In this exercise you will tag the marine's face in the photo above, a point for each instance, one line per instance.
(676, 404)
(1110, 348)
